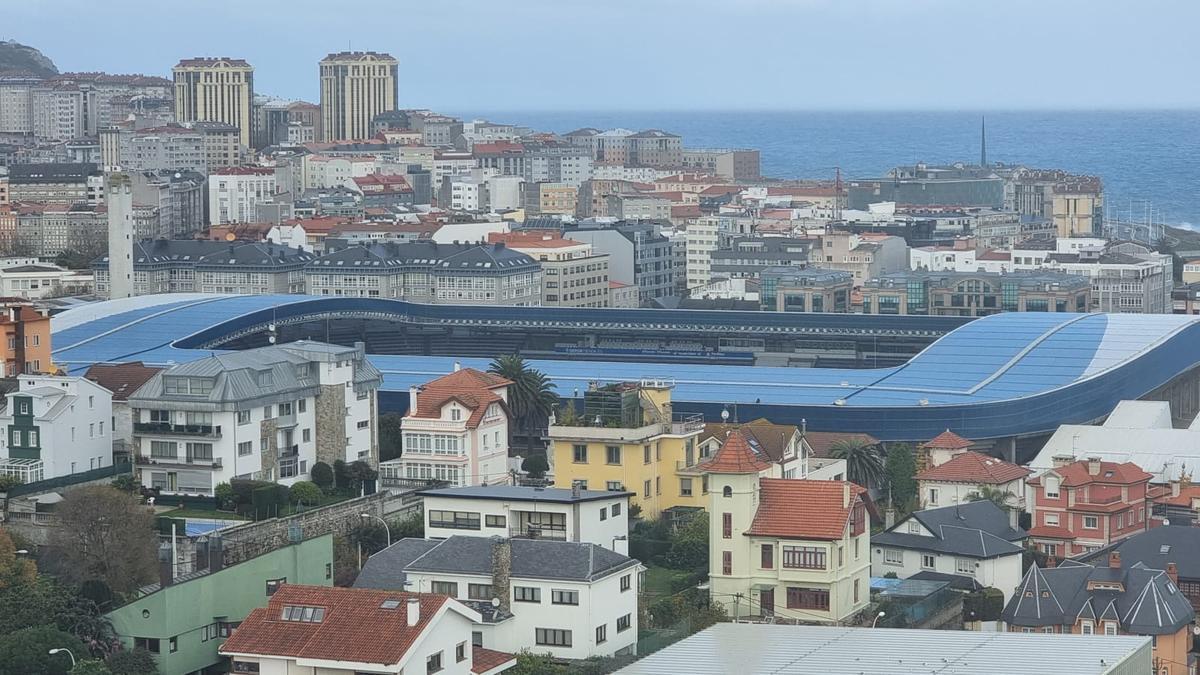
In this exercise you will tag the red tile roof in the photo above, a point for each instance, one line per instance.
(948, 440)
(994, 255)
(533, 239)
(474, 389)
(1047, 532)
(1076, 474)
(685, 210)
(497, 148)
(803, 509)
(484, 660)
(735, 456)
(822, 442)
(975, 468)
(1184, 498)
(122, 379)
(350, 631)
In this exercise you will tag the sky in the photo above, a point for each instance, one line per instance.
(662, 54)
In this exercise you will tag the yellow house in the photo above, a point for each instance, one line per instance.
(628, 439)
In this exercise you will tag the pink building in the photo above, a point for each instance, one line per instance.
(1085, 505)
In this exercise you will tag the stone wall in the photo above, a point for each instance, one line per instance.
(331, 423)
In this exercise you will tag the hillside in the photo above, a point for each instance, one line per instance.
(19, 59)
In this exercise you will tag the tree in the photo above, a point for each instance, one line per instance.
(305, 492)
(223, 492)
(133, 662)
(28, 651)
(411, 526)
(529, 663)
(322, 474)
(91, 667)
(689, 545)
(531, 396)
(37, 604)
(864, 464)
(390, 443)
(360, 472)
(15, 569)
(902, 475)
(535, 465)
(107, 535)
(126, 482)
(989, 493)
(7, 482)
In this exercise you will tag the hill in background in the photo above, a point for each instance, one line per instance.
(19, 59)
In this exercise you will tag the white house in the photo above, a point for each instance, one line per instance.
(346, 631)
(455, 430)
(784, 444)
(964, 475)
(973, 545)
(592, 516)
(571, 600)
(267, 414)
(55, 426)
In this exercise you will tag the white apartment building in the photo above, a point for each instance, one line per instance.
(455, 430)
(702, 236)
(573, 275)
(570, 600)
(234, 193)
(322, 172)
(264, 414)
(43, 280)
(1126, 277)
(599, 517)
(55, 426)
(57, 110)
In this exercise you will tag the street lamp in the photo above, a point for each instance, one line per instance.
(877, 618)
(68, 651)
(385, 526)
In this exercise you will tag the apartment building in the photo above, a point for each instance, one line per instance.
(627, 438)
(800, 289)
(1080, 506)
(58, 109)
(961, 478)
(572, 600)
(975, 294)
(551, 199)
(235, 193)
(355, 87)
(25, 342)
(1125, 277)
(455, 430)
(198, 266)
(265, 414)
(122, 379)
(747, 257)
(734, 164)
(573, 275)
(555, 163)
(223, 143)
(33, 282)
(766, 559)
(154, 149)
(424, 271)
(638, 254)
(47, 230)
(637, 207)
(175, 197)
(866, 256)
(219, 89)
(56, 183)
(55, 426)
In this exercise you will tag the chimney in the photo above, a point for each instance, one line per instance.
(502, 571)
(414, 611)
(457, 366)
(1061, 460)
(216, 554)
(1173, 573)
(1051, 563)
(575, 490)
(845, 494)
(166, 565)
(1093, 466)
(412, 400)
(1014, 518)
(889, 518)
(1175, 487)
(1114, 560)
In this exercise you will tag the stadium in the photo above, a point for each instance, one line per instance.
(1008, 378)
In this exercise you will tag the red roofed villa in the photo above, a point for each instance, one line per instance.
(1085, 505)
(962, 477)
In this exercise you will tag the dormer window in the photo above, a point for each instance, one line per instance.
(455, 414)
(914, 527)
(1051, 484)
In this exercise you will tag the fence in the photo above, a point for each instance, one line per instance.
(904, 614)
(72, 479)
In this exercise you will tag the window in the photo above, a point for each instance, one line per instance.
(149, 644)
(914, 527)
(612, 454)
(964, 566)
(456, 414)
(16, 440)
(928, 561)
(274, 584)
(645, 487)
(245, 668)
(933, 495)
(726, 562)
(579, 454)
(267, 413)
(306, 435)
(623, 623)
(602, 633)
(727, 491)
(893, 556)
(1051, 519)
(807, 598)
(768, 557)
(164, 449)
(1086, 628)
(856, 591)
(363, 424)
(685, 487)
(460, 652)
(726, 525)
(561, 597)
(1090, 523)
(449, 588)
(479, 592)
(1051, 484)
(328, 570)
(296, 613)
(552, 637)
(613, 486)
(658, 485)
(616, 509)
(477, 638)
(626, 582)
(804, 557)
(454, 520)
(433, 663)
(1110, 628)
(527, 594)
(33, 436)
(172, 643)
(302, 405)
(645, 454)
(494, 521)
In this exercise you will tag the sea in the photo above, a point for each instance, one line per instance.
(1149, 160)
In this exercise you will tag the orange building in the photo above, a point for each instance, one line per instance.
(26, 343)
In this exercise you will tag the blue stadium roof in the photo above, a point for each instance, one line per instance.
(1004, 375)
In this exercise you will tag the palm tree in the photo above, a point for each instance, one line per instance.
(531, 396)
(864, 463)
(995, 495)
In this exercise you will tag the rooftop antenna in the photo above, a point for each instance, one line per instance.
(983, 141)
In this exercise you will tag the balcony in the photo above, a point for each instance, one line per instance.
(682, 466)
(535, 532)
(188, 462)
(168, 429)
(289, 451)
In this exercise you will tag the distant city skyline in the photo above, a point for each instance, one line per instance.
(666, 54)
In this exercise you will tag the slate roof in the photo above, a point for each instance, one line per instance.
(803, 509)
(1149, 603)
(474, 389)
(531, 559)
(975, 468)
(1154, 548)
(425, 254)
(975, 529)
(517, 493)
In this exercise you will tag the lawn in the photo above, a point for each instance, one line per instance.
(200, 513)
(663, 581)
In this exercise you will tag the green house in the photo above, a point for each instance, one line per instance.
(184, 623)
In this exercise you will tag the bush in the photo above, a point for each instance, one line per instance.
(322, 475)
(305, 492)
(133, 662)
(223, 493)
(985, 605)
(269, 499)
(126, 482)
(360, 472)
(91, 667)
(341, 475)
(27, 650)
(243, 490)
(536, 466)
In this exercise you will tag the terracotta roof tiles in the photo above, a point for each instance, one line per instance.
(485, 660)
(975, 468)
(474, 389)
(948, 440)
(1077, 473)
(122, 379)
(735, 456)
(803, 509)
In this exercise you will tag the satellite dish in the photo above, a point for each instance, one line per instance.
(496, 603)
(229, 236)
(1195, 630)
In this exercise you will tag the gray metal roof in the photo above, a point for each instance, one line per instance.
(518, 493)
(1156, 547)
(531, 559)
(795, 650)
(975, 529)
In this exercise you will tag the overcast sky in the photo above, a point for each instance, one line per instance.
(662, 54)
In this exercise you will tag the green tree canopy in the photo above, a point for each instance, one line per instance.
(531, 397)
(689, 545)
(390, 438)
(27, 651)
(902, 476)
(864, 464)
(91, 667)
(16, 569)
(133, 662)
(305, 492)
(535, 465)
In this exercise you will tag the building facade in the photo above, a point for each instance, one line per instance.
(55, 426)
(812, 289)
(975, 294)
(355, 87)
(573, 275)
(235, 193)
(219, 89)
(1078, 507)
(198, 266)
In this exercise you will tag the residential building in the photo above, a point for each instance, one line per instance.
(424, 271)
(747, 257)
(167, 148)
(599, 517)
(729, 163)
(55, 426)
(16, 113)
(570, 600)
(234, 193)
(385, 190)
(1157, 549)
(655, 147)
(626, 437)
(223, 143)
(638, 254)
(1078, 207)
(268, 414)
(552, 163)
(866, 256)
(456, 430)
(783, 444)
(755, 648)
(176, 197)
(702, 236)
(805, 289)
(58, 111)
(48, 230)
(1125, 277)
(1081, 506)
(962, 478)
(973, 545)
(198, 266)
(551, 199)
(1110, 600)
(1185, 299)
(184, 619)
(975, 293)
(219, 89)
(25, 344)
(622, 295)
(637, 207)
(780, 547)
(438, 131)
(355, 87)
(56, 183)
(43, 280)
(924, 184)
(122, 379)
(339, 631)
(573, 275)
